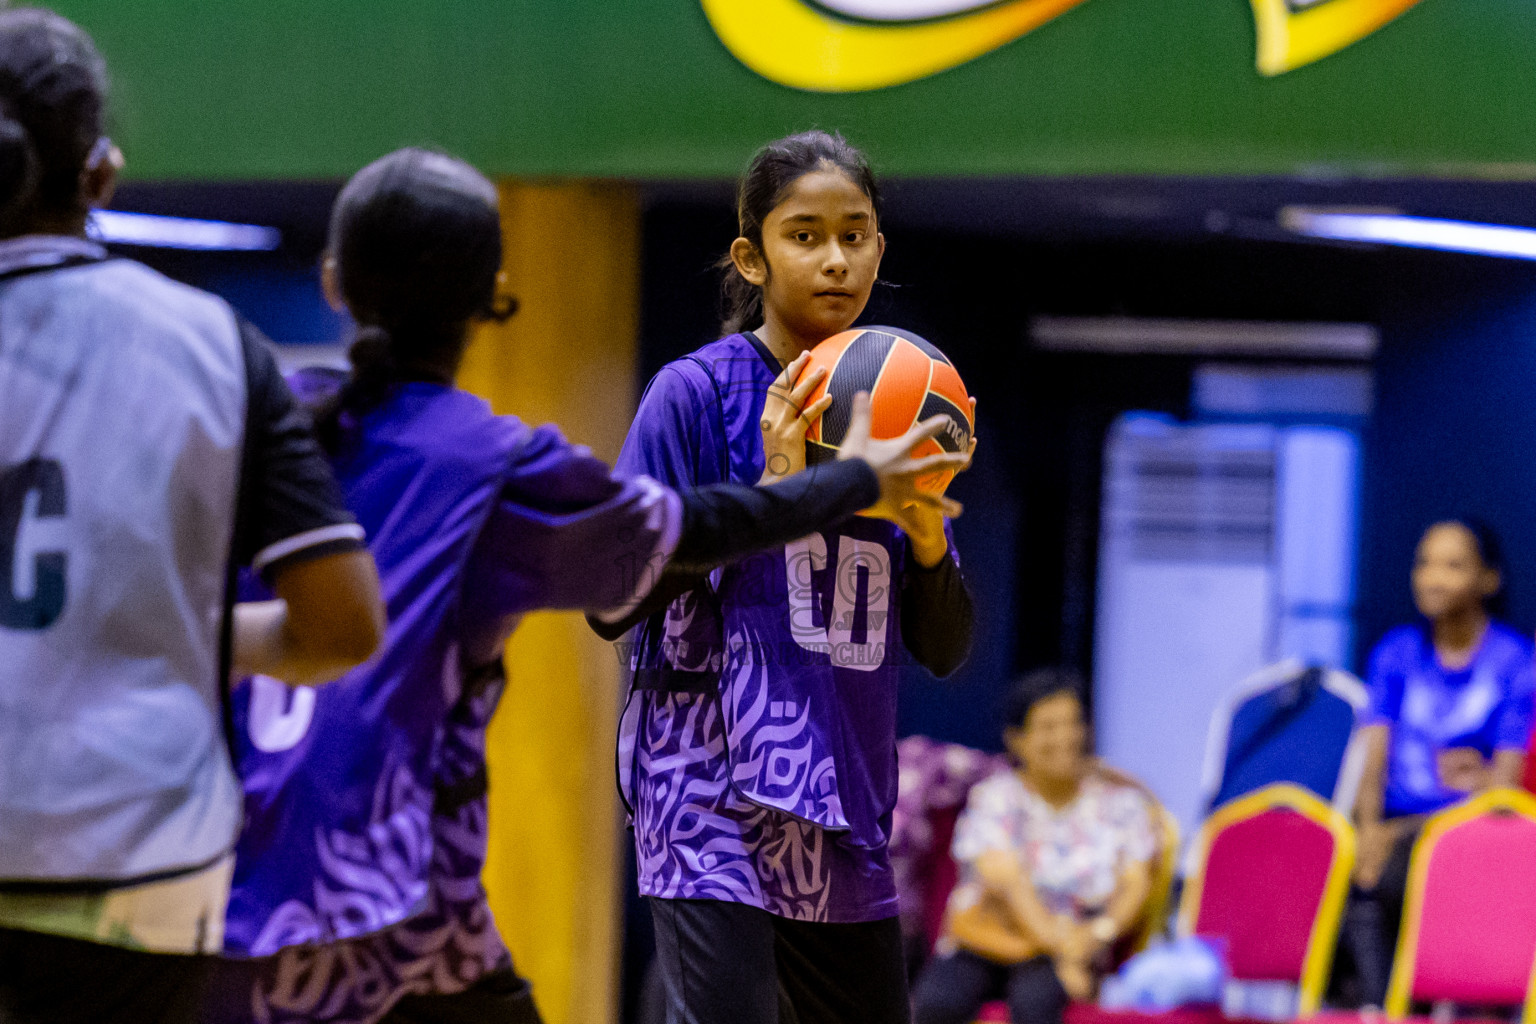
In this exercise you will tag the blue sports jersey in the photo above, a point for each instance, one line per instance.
(1486, 707)
(757, 749)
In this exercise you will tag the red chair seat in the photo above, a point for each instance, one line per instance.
(1348, 1017)
(1089, 1013)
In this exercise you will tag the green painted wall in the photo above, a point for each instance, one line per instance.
(642, 88)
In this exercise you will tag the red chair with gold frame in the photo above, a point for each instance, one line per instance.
(1469, 918)
(1270, 877)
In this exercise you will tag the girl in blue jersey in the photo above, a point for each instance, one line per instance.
(757, 750)
(1450, 714)
(356, 891)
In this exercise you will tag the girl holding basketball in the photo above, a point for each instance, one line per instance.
(757, 750)
(356, 882)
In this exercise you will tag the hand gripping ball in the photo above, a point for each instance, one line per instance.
(908, 380)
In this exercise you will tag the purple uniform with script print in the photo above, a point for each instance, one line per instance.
(365, 827)
(757, 749)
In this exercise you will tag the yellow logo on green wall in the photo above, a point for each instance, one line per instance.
(857, 45)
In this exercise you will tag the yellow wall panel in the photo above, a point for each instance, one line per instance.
(568, 356)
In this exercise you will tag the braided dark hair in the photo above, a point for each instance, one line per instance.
(416, 238)
(53, 88)
(772, 172)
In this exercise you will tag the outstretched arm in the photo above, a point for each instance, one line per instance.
(723, 523)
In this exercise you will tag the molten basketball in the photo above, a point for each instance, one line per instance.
(908, 380)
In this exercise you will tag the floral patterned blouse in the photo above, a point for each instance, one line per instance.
(1074, 855)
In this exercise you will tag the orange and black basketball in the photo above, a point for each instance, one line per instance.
(908, 380)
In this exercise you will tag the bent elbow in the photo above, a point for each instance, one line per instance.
(945, 669)
(362, 641)
(341, 644)
(953, 655)
(943, 659)
(608, 631)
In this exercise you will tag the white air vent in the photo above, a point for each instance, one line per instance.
(1225, 547)
(1173, 497)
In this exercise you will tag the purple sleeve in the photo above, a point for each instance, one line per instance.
(567, 532)
(668, 440)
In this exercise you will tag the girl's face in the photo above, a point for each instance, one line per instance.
(1054, 740)
(1448, 573)
(820, 255)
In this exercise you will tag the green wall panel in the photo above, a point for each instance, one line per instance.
(642, 88)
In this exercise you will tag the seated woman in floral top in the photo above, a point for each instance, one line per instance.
(1054, 864)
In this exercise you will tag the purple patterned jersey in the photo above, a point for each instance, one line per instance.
(365, 797)
(757, 749)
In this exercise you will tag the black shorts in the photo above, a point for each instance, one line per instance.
(728, 963)
(57, 980)
(501, 997)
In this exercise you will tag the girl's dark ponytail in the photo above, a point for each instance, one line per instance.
(741, 301)
(374, 372)
(773, 170)
(416, 242)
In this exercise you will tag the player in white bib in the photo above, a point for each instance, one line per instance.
(148, 447)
